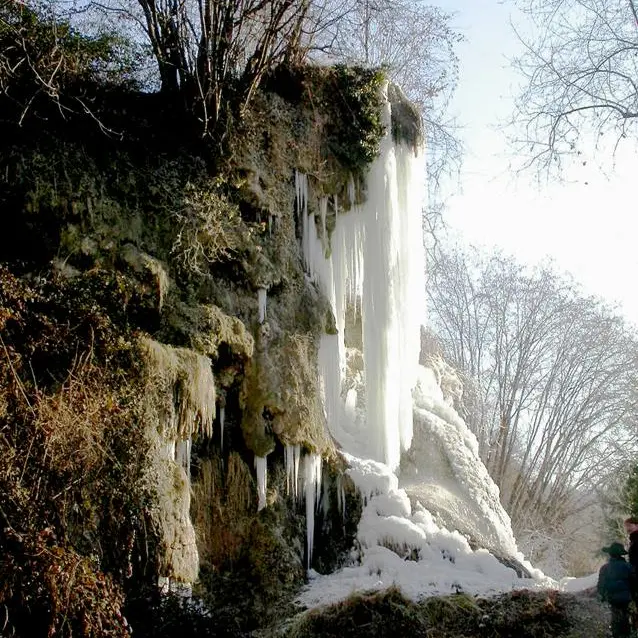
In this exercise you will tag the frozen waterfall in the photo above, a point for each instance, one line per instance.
(375, 266)
(378, 400)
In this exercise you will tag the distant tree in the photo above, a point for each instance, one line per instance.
(556, 372)
(630, 493)
(581, 67)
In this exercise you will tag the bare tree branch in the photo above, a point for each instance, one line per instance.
(582, 78)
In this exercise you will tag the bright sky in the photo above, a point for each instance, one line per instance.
(589, 229)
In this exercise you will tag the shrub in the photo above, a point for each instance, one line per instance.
(44, 57)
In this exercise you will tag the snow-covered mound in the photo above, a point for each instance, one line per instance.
(443, 470)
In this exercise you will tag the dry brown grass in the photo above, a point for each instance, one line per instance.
(74, 420)
(72, 460)
(56, 462)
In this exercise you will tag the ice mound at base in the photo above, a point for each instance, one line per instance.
(407, 546)
(443, 470)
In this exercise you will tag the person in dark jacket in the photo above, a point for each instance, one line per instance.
(631, 528)
(617, 586)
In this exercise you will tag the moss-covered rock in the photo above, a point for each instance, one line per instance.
(134, 265)
(527, 614)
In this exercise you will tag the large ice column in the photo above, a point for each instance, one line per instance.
(312, 480)
(376, 261)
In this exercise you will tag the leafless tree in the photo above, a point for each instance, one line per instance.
(581, 71)
(557, 373)
(206, 50)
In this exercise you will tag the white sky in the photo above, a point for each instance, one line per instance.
(589, 229)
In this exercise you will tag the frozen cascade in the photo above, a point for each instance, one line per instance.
(377, 263)
(261, 469)
(261, 300)
(312, 487)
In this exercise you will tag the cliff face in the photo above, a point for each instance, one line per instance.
(161, 415)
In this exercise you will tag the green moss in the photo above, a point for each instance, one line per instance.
(255, 397)
(407, 123)
(355, 129)
(206, 327)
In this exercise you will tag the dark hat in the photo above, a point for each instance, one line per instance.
(615, 549)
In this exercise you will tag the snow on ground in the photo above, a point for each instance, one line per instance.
(405, 547)
(578, 584)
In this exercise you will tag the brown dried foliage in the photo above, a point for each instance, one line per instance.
(70, 478)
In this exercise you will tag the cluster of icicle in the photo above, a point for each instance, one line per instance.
(306, 484)
(374, 262)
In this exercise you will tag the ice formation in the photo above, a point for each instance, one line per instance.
(262, 296)
(292, 456)
(222, 416)
(261, 470)
(374, 266)
(307, 484)
(377, 398)
(312, 481)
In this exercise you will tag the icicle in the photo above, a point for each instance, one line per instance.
(342, 491)
(183, 455)
(323, 213)
(351, 191)
(261, 300)
(261, 469)
(325, 500)
(222, 415)
(292, 454)
(341, 497)
(312, 486)
(301, 194)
